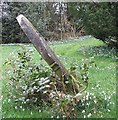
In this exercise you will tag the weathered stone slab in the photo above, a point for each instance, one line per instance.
(42, 47)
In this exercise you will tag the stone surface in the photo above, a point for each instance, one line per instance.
(42, 47)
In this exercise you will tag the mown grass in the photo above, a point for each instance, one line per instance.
(102, 79)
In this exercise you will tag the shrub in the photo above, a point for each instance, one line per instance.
(27, 77)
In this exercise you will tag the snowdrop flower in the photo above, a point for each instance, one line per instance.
(95, 101)
(9, 100)
(27, 100)
(20, 106)
(109, 110)
(39, 110)
(89, 115)
(83, 111)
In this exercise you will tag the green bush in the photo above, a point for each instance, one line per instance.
(27, 78)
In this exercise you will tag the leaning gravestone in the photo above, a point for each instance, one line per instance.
(41, 45)
(48, 55)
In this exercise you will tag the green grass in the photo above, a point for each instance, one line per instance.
(102, 78)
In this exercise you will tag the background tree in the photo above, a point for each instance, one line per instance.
(57, 20)
(11, 31)
(100, 21)
(97, 19)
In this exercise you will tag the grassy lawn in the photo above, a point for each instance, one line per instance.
(102, 79)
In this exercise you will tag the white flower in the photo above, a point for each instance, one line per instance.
(66, 82)
(20, 106)
(24, 102)
(64, 116)
(9, 100)
(109, 97)
(27, 100)
(82, 104)
(40, 111)
(44, 92)
(89, 115)
(47, 86)
(32, 90)
(24, 87)
(94, 97)
(1, 97)
(23, 92)
(109, 110)
(34, 87)
(31, 113)
(87, 104)
(83, 111)
(87, 97)
(78, 94)
(95, 101)
(94, 111)
(68, 96)
(105, 98)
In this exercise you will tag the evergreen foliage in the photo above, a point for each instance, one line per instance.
(54, 19)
